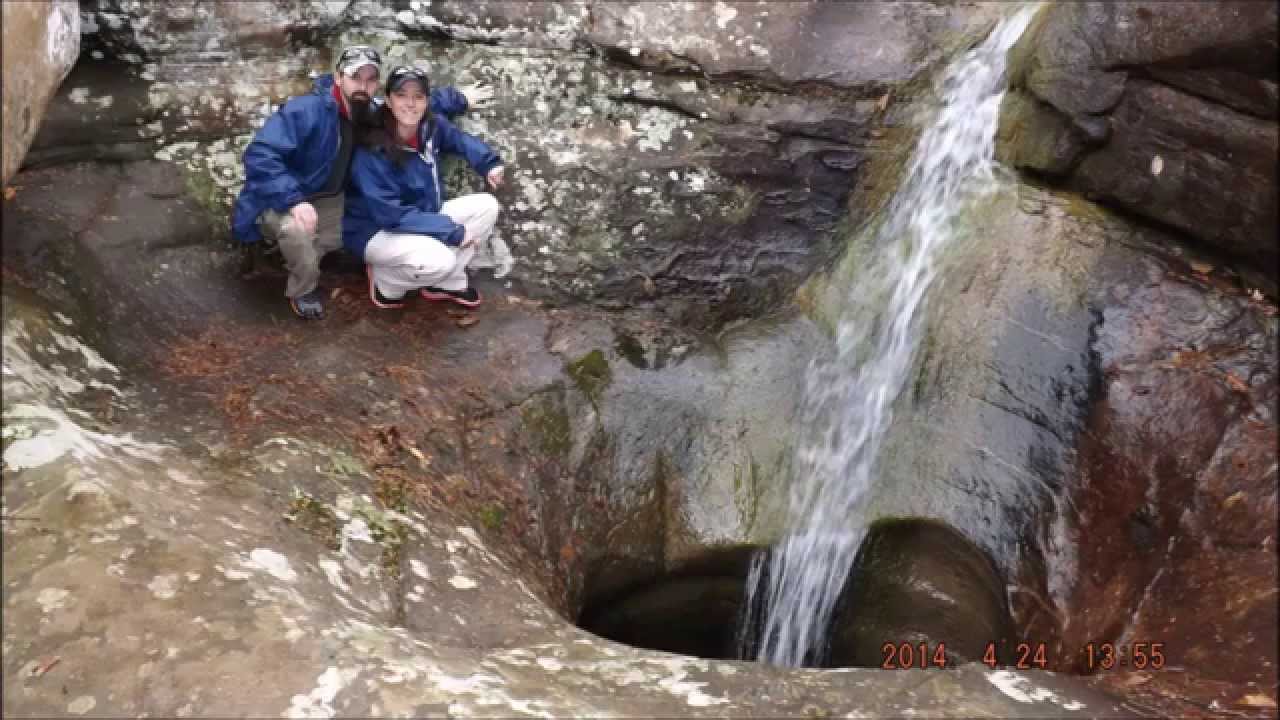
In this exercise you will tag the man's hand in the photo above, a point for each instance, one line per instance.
(496, 177)
(477, 95)
(305, 215)
(468, 238)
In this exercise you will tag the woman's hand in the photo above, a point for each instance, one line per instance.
(496, 177)
(304, 214)
(468, 238)
(477, 95)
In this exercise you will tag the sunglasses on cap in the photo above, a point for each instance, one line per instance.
(403, 74)
(357, 56)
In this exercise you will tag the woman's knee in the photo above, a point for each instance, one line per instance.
(434, 259)
(484, 207)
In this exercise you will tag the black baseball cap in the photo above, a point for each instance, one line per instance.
(402, 74)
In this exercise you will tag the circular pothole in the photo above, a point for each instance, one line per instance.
(915, 583)
(692, 611)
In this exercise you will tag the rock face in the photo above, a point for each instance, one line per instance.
(1167, 110)
(230, 514)
(700, 174)
(41, 43)
(1094, 406)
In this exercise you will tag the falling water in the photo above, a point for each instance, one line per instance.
(849, 398)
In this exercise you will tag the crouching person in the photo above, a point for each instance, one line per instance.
(297, 168)
(411, 238)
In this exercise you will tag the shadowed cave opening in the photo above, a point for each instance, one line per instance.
(691, 611)
(915, 582)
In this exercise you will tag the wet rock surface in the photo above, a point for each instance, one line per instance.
(920, 583)
(1093, 406)
(1167, 110)
(370, 515)
(1174, 530)
(399, 513)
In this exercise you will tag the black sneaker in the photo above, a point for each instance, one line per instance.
(467, 297)
(309, 306)
(379, 300)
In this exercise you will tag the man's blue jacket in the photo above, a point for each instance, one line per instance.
(291, 156)
(407, 199)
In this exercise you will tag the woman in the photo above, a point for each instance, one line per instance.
(397, 219)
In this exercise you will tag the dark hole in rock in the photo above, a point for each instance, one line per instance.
(690, 611)
(914, 581)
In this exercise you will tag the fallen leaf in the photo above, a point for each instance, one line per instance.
(883, 102)
(45, 665)
(9, 192)
(1201, 267)
(1136, 679)
(416, 453)
(1235, 498)
(1237, 384)
(1257, 700)
(467, 321)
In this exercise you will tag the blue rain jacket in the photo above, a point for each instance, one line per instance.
(291, 156)
(407, 199)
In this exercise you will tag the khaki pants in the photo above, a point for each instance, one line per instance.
(402, 262)
(302, 251)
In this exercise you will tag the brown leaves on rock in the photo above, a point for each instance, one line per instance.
(1203, 361)
(45, 665)
(1235, 383)
(1257, 700)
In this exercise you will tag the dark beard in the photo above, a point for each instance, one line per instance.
(362, 114)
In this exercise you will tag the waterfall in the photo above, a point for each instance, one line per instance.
(849, 397)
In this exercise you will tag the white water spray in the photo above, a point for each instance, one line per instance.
(849, 398)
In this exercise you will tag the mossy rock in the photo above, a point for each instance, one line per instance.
(591, 373)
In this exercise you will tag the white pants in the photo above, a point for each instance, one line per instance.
(403, 262)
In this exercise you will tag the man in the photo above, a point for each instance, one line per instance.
(297, 167)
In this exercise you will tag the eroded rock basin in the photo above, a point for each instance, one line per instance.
(211, 509)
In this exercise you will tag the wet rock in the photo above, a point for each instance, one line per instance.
(1089, 406)
(915, 582)
(1160, 509)
(282, 565)
(41, 42)
(1167, 110)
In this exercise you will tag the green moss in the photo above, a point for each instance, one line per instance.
(202, 188)
(492, 516)
(314, 517)
(387, 532)
(631, 349)
(740, 205)
(341, 463)
(548, 424)
(592, 374)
